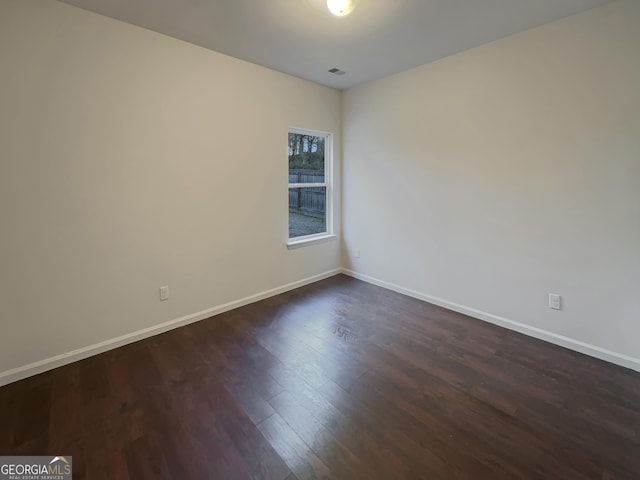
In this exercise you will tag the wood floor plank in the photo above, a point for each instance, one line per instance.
(9, 405)
(213, 443)
(323, 444)
(260, 458)
(300, 459)
(33, 413)
(144, 459)
(66, 419)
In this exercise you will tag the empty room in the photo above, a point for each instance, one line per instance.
(311, 239)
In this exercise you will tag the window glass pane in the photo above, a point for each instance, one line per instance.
(306, 158)
(307, 211)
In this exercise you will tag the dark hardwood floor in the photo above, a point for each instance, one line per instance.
(339, 379)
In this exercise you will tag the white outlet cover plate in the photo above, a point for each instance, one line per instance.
(164, 293)
(554, 301)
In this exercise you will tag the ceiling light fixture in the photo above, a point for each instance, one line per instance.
(340, 8)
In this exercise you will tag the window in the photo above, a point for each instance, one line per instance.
(310, 218)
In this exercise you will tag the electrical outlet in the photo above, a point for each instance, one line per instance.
(164, 293)
(356, 253)
(555, 301)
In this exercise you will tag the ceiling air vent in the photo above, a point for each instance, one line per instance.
(336, 71)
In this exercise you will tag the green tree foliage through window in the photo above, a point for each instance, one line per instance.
(306, 152)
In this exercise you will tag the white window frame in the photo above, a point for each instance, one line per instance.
(327, 184)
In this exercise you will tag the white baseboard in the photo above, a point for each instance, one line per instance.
(40, 366)
(566, 342)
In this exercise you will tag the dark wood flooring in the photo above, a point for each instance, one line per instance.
(339, 379)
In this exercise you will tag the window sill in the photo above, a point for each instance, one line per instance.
(304, 242)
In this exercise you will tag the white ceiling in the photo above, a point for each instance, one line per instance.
(300, 37)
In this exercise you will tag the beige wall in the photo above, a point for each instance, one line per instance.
(493, 177)
(130, 160)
